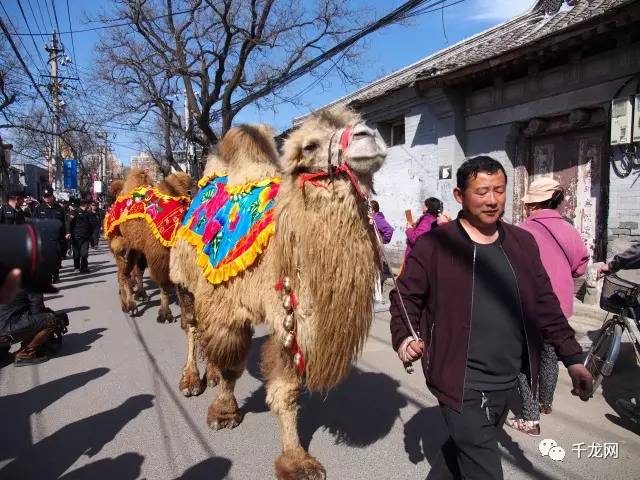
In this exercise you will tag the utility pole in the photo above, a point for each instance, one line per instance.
(54, 52)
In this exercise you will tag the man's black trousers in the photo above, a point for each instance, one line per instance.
(81, 254)
(472, 451)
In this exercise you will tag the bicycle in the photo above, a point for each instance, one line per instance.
(620, 298)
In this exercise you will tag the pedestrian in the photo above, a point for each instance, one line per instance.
(81, 228)
(95, 225)
(476, 290)
(385, 230)
(564, 257)
(429, 219)
(11, 212)
(49, 209)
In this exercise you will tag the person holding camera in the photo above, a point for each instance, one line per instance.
(81, 226)
(26, 319)
(50, 210)
(10, 212)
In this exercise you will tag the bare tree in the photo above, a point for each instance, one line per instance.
(222, 54)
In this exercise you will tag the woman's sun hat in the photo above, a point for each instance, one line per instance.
(541, 190)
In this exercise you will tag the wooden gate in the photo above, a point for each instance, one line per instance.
(575, 160)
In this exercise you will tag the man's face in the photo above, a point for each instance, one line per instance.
(484, 198)
(48, 199)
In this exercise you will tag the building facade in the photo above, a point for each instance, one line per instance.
(145, 162)
(534, 93)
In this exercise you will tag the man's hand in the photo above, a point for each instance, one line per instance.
(603, 270)
(582, 381)
(410, 350)
(10, 286)
(67, 236)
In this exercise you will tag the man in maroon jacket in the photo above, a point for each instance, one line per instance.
(477, 292)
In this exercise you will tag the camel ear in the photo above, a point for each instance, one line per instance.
(291, 155)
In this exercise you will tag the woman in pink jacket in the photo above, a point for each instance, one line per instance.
(564, 257)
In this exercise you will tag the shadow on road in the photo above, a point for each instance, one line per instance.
(124, 467)
(19, 407)
(81, 284)
(623, 383)
(74, 309)
(57, 452)
(73, 343)
(215, 468)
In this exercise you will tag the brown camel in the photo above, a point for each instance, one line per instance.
(323, 254)
(136, 245)
(138, 261)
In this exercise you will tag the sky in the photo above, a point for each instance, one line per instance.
(385, 51)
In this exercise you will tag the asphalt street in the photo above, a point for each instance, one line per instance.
(108, 407)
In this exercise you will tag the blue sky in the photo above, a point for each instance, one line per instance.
(387, 50)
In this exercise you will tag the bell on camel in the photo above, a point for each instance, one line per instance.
(288, 341)
(288, 323)
(286, 285)
(287, 304)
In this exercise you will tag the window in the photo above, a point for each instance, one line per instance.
(392, 131)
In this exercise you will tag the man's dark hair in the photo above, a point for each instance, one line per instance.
(433, 205)
(472, 167)
(375, 206)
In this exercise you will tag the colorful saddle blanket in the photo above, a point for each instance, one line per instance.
(230, 225)
(162, 212)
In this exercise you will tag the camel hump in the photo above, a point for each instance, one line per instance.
(249, 152)
(177, 184)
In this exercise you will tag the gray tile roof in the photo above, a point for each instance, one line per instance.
(523, 30)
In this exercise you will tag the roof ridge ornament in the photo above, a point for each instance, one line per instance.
(551, 7)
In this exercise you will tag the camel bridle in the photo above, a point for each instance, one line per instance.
(346, 136)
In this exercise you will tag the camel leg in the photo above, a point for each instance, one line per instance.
(124, 281)
(190, 383)
(229, 352)
(283, 389)
(164, 314)
(141, 293)
(212, 375)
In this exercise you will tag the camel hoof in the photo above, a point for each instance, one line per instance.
(221, 416)
(165, 317)
(191, 385)
(141, 296)
(299, 465)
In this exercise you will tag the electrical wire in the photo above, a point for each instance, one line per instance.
(49, 15)
(73, 46)
(24, 16)
(55, 14)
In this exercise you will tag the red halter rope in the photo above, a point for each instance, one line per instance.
(343, 167)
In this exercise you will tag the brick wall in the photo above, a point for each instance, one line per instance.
(624, 210)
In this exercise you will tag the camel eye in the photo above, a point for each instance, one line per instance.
(310, 147)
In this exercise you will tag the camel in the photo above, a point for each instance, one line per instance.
(313, 286)
(135, 245)
(139, 262)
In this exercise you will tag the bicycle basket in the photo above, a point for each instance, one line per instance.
(616, 294)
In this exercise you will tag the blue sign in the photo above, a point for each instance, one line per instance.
(71, 174)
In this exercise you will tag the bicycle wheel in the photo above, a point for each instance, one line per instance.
(604, 353)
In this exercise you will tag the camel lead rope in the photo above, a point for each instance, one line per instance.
(408, 366)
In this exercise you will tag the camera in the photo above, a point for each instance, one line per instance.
(33, 248)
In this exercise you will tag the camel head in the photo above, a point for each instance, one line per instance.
(116, 187)
(177, 184)
(333, 138)
(137, 177)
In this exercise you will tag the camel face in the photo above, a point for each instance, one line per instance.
(366, 151)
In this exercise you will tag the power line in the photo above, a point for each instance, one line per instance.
(24, 16)
(44, 24)
(73, 46)
(55, 14)
(49, 15)
(24, 47)
(3, 27)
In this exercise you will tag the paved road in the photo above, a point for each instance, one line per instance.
(107, 407)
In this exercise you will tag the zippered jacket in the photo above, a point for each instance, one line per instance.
(436, 286)
(627, 260)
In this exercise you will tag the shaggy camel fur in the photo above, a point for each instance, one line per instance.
(138, 244)
(324, 243)
(138, 261)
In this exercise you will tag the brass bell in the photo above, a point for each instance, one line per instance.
(286, 285)
(288, 323)
(286, 303)
(288, 340)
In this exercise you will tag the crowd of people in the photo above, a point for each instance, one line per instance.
(24, 318)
